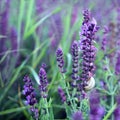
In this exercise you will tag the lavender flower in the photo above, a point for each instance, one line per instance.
(117, 110)
(75, 59)
(13, 38)
(39, 6)
(117, 66)
(4, 25)
(96, 110)
(104, 41)
(62, 94)
(117, 113)
(89, 28)
(30, 96)
(77, 116)
(94, 98)
(118, 25)
(60, 60)
(43, 82)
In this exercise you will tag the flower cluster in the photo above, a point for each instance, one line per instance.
(62, 94)
(77, 116)
(96, 111)
(43, 82)
(4, 17)
(117, 66)
(75, 61)
(89, 28)
(60, 60)
(104, 40)
(30, 95)
(117, 110)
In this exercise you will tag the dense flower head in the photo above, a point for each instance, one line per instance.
(86, 15)
(43, 82)
(77, 116)
(60, 60)
(30, 95)
(62, 94)
(75, 61)
(89, 28)
(29, 91)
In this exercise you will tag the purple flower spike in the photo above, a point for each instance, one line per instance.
(75, 59)
(29, 91)
(60, 60)
(13, 38)
(43, 82)
(104, 41)
(62, 94)
(117, 66)
(77, 116)
(30, 96)
(4, 17)
(89, 28)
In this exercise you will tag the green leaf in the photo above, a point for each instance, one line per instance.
(34, 74)
(20, 109)
(34, 26)
(29, 14)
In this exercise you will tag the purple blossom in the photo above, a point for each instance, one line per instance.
(89, 28)
(117, 113)
(60, 60)
(75, 60)
(104, 40)
(30, 95)
(4, 17)
(43, 82)
(94, 98)
(74, 15)
(62, 94)
(13, 38)
(77, 116)
(39, 6)
(117, 66)
(96, 110)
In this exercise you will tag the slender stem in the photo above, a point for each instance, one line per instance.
(112, 103)
(110, 112)
(66, 89)
(46, 107)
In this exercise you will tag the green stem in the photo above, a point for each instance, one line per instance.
(110, 112)
(66, 89)
(112, 103)
(46, 107)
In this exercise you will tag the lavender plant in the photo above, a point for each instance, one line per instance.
(30, 96)
(81, 82)
(39, 109)
(33, 36)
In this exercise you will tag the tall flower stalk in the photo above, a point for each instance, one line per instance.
(43, 91)
(75, 63)
(87, 36)
(30, 96)
(81, 80)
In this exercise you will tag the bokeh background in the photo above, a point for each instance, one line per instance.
(30, 33)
